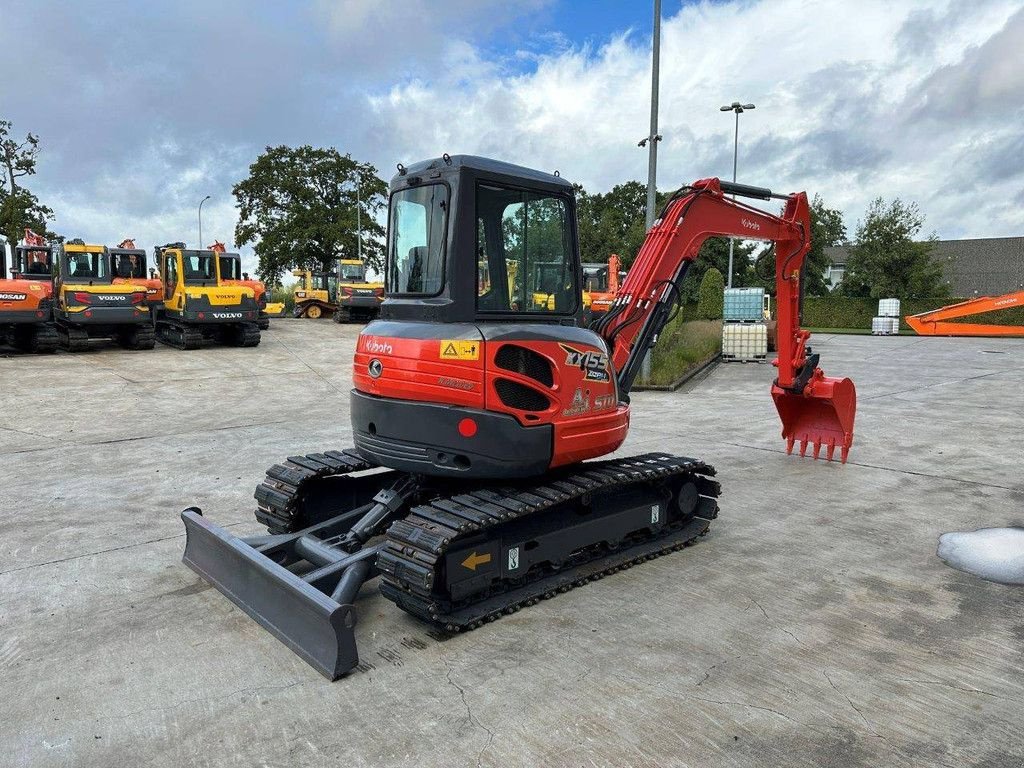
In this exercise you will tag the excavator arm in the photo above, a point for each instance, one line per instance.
(935, 323)
(814, 409)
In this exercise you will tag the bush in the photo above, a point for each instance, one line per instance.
(684, 344)
(711, 296)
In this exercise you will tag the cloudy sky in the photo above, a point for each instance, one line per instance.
(144, 108)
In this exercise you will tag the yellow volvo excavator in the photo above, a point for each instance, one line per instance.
(199, 305)
(89, 304)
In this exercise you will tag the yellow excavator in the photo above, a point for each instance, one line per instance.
(199, 304)
(344, 294)
(90, 304)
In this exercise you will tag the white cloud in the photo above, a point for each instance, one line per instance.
(837, 87)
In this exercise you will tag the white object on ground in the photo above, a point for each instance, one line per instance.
(995, 554)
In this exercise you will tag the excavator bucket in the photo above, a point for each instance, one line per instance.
(821, 416)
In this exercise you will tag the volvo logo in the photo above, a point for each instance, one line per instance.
(376, 368)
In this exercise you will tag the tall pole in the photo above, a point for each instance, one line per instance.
(737, 108)
(652, 148)
(735, 158)
(654, 138)
(200, 247)
(359, 220)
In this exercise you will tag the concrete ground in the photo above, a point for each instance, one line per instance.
(813, 626)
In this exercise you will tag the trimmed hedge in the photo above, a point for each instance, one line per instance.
(711, 296)
(846, 312)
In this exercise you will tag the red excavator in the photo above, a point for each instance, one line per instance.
(26, 297)
(475, 407)
(936, 322)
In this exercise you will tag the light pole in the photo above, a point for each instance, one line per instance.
(651, 140)
(738, 109)
(201, 221)
(359, 220)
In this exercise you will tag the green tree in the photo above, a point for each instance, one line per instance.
(299, 205)
(711, 298)
(886, 260)
(19, 207)
(613, 222)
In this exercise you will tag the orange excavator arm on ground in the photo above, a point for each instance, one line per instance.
(934, 323)
(814, 409)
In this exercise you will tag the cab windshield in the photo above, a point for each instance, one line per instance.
(352, 273)
(199, 267)
(33, 262)
(230, 268)
(86, 265)
(129, 265)
(416, 232)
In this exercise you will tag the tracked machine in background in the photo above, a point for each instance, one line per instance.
(601, 282)
(358, 299)
(229, 267)
(197, 305)
(128, 264)
(26, 296)
(476, 484)
(90, 304)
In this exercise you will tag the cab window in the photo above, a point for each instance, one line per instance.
(525, 259)
(416, 234)
(170, 275)
(230, 268)
(198, 267)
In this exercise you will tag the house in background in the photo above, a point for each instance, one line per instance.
(983, 266)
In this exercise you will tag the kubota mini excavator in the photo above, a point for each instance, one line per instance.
(476, 410)
(26, 297)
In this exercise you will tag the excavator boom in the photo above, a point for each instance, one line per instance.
(935, 323)
(814, 409)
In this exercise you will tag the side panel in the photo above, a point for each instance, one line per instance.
(421, 361)
(25, 301)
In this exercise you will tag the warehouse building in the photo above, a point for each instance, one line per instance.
(983, 266)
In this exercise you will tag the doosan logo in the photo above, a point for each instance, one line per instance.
(751, 224)
(376, 346)
(13, 296)
(227, 315)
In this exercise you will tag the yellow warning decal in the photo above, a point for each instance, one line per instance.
(460, 350)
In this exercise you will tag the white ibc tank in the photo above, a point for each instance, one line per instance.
(744, 341)
(885, 326)
(888, 307)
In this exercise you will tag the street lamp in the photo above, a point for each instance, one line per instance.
(201, 221)
(738, 109)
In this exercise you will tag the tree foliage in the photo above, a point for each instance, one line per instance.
(711, 296)
(886, 260)
(19, 207)
(613, 222)
(299, 205)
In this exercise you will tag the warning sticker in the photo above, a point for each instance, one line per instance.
(460, 350)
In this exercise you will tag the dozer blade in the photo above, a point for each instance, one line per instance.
(822, 415)
(275, 309)
(310, 622)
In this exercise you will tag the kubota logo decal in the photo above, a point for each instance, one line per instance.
(594, 364)
(751, 224)
(13, 296)
(376, 346)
